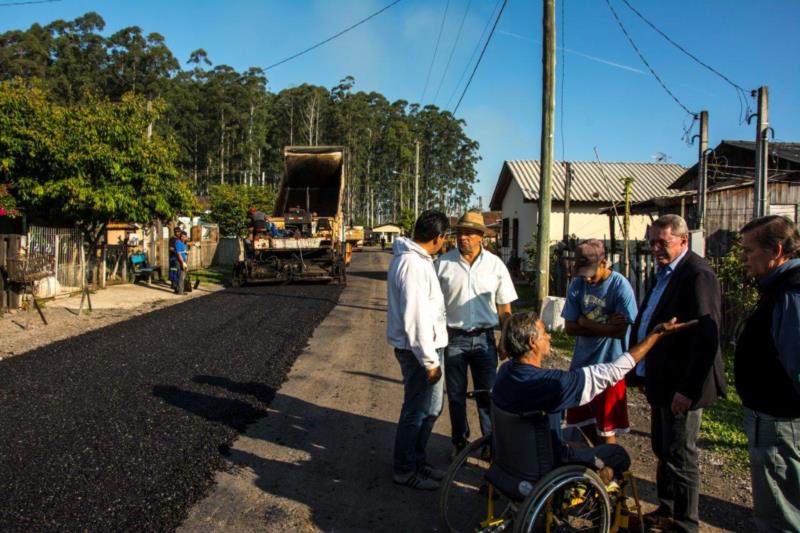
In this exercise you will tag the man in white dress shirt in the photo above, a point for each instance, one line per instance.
(478, 292)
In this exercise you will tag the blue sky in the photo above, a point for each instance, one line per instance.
(609, 101)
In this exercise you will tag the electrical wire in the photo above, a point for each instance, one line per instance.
(452, 51)
(740, 92)
(29, 2)
(474, 53)
(641, 56)
(563, 68)
(332, 37)
(486, 45)
(435, 51)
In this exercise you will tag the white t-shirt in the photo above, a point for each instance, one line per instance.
(473, 292)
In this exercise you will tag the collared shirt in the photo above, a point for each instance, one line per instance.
(473, 292)
(416, 307)
(662, 280)
(786, 323)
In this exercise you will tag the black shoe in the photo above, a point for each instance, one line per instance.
(457, 449)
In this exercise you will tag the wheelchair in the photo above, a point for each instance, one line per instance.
(520, 488)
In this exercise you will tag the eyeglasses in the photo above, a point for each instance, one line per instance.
(661, 243)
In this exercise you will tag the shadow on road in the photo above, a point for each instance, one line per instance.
(335, 463)
(713, 511)
(378, 275)
(374, 376)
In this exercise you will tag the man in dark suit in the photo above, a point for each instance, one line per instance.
(683, 374)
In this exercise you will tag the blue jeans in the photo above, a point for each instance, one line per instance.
(422, 405)
(774, 445)
(479, 353)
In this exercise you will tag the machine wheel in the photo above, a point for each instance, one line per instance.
(237, 277)
(464, 494)
(570, 498)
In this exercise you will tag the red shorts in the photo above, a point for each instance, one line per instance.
(608, 411)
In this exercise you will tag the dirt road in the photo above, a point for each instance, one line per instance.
(320, 460)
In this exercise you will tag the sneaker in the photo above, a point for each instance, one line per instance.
(430, 472)
(416, 481)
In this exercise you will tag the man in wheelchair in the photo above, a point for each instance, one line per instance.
(523, 386)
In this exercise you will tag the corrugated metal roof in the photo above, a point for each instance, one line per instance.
(598, 182)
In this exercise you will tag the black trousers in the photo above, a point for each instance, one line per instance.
(674, 439)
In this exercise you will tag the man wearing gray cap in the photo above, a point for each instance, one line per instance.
(478, 292)
(599, 310)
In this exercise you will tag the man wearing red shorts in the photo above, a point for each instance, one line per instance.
(599, 310)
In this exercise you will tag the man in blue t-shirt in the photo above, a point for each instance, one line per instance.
(599, 311)
(182, 256)
(523, 385)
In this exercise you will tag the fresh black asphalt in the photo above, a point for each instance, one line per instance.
(122, 428)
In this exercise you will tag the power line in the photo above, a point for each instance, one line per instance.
(435, 51)
(563, 68)
(740, 92)
(652, 71)
(359, 23)
(29, 2)
(488, 40)
(474, 53)
(452, 51)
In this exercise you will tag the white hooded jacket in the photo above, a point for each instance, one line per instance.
(416, 317)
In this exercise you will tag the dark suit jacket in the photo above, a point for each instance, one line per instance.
(689, 362)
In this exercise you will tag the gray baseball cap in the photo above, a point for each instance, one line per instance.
(588, 256)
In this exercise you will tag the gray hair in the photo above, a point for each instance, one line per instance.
(774, 230)
(674, 222)
(517, 329)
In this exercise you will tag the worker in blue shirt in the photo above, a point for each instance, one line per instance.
(182, 256)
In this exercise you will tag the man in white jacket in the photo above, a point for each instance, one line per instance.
(417, 330)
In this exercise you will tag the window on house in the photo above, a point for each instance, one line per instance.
(504, 233)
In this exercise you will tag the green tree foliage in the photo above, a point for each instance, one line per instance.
(8, 205)
(229, 128)
(88, 163)
(228, 205)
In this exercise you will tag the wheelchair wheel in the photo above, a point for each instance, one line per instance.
(464, 494)
(570, 498)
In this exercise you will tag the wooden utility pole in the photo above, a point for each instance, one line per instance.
(761, 190)
(702, 171)
(567, 191)
(626, 227)
(416, 186)
(546, 158)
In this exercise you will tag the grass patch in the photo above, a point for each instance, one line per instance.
(211, 275)
(722, 429)
(526, 298)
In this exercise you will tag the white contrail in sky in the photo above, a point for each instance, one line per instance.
(581, 54)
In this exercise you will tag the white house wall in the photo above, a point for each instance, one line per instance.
(584, 221)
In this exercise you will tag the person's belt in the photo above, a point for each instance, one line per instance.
(455, 332)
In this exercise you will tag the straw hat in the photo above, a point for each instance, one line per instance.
(471, 220)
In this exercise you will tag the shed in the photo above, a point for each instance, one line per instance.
(387, 231)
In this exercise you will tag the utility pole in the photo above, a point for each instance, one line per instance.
(626, 226)
(546, 158)
(416, 186)
(702, 174)
(567, 191)
(761, 190)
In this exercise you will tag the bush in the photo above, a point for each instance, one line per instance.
(229, 204)
(739, 295)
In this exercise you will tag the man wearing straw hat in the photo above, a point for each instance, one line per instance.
(478, 292)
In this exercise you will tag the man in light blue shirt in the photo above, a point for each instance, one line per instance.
(662, 280)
